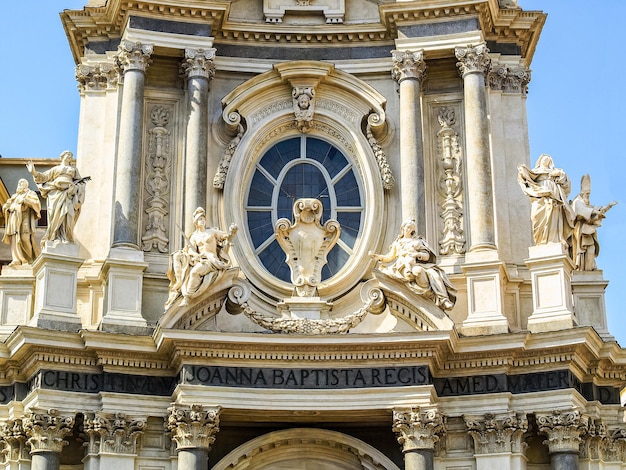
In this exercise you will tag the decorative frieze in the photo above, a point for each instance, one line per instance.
(157, 182)
(198, 63)
(473, 59)
(193, 427)
(96, 77)
(452, 241)
(417, 428)
(564, 430)
(497, 433)
(112, 433)
(408, 64)
(509, 79)
(46, 431)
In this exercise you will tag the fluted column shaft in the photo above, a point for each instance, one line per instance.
(408, 70)
(418, 431)
(199, 69)
(193, 431)
(133, 59)
(473, 63)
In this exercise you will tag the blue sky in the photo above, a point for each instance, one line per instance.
(576, 104)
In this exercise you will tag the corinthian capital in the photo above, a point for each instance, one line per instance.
(497, 433)
(133, 56)
(473, 59)
(14, 437)
(408, 64)
(113, 433)
(194, 427)
(509, 79)
(563, 429)
(46, 431)
(417, 429)
(198, 63)
(96, 77)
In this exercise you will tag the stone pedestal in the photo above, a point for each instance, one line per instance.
(485, 294)
(16, 297)
(312, 308)
(550, 275)
(56, 272)
(123, 271)
(588, 291)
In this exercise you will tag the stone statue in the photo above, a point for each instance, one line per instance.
(307, 243)
(64, 190)
(584, 241)
(548, 188)
(303, 106)
(412, 260)
(199, 264)
(21, 212)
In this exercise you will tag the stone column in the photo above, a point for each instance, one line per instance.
(418, 431)
(408, 70)
(14, 437)
(198, 69)
(112, 441)
(564, 431)
(46, 433)
(193, 430)
(133, 60)
(473, 64)
(498, 439)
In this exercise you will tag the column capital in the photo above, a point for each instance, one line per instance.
(198, 63)
(473, 59)
(563, 430)
(112, 433)
(613, 446)
(133, 56)
(497, 433)
(408, 64)
(418, 429)
(509, 79)
(46, 430)
(99, 76)
(193, 427)
(14, 436)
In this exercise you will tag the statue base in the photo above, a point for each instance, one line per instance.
(312, 308)
(588, 289)
(16, 297)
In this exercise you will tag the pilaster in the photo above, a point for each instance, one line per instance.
(46, 433)
(193, 430)
(408, 70)
(418, 430)
(112, 442)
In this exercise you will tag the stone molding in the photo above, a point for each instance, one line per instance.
(499, 433)
(198, 63)
(112, 433)
(193, 427)
(133, 56)
(100, 76)
(383, 165)
(473, 59)
(408, 65)
(14, 437)
(46, 430)
(509, 79)
(564, 430)
(418, 428)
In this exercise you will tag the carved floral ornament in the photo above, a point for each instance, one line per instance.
(194, 426)
(417, 428)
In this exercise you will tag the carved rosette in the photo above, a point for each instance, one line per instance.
(133, 56)
(564, 430)
(494, 434)
(418, 429)
(408, 64)
(198, 63)
(13, 436)
(193, 427)
(386, 174)
(46, 431)
(157, 182)
(509, 79)
(97, 77)
(473, 59)
(452, 241)
(303, 99)
(112, 433)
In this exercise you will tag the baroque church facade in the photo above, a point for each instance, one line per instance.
(304, 234)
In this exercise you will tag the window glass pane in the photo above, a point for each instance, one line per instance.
(350, 223)
(302, 180)
(273, 258)
(347, 191)
(260, 225)
(279, 155)
(331, 158)
(260, 191)
(336, 259)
